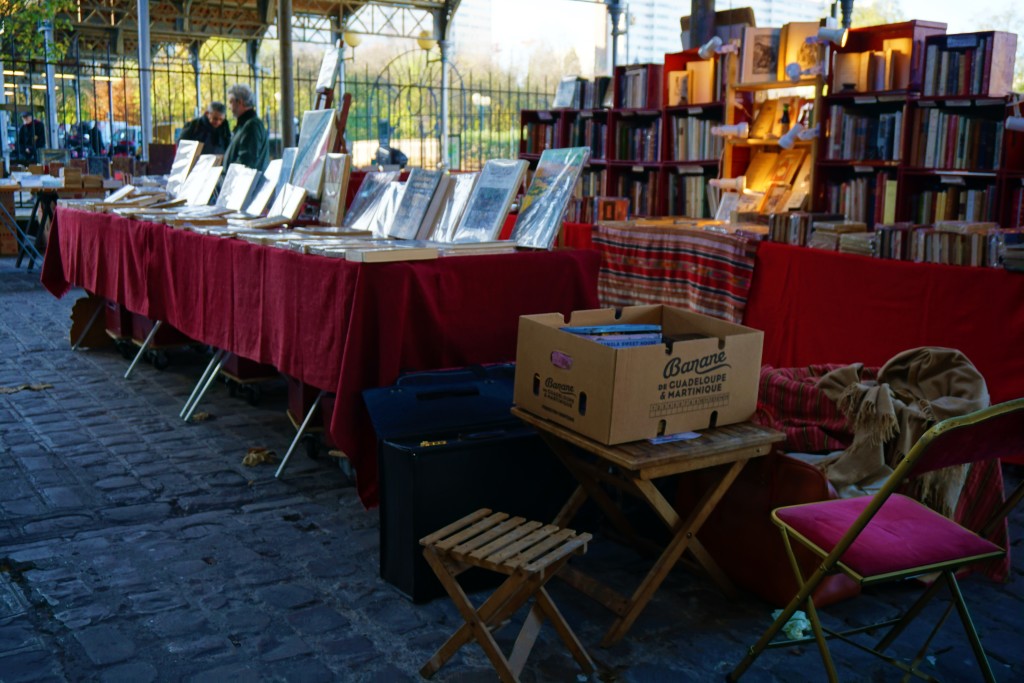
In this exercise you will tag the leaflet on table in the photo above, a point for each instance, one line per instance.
(364, 205)
(416, 201)
(184, 156)
(237, 184)
(489, 204)
(264, 189)
(287, 166)
(385, 212)
(289, 202)
(337, 168)
(462, 185)
(540, 214)
(199, 186)
(316, 139)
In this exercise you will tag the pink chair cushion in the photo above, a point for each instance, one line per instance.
(903, 535)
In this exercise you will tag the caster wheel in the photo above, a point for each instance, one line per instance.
(126, 350)
(160, 360)
(312, 444)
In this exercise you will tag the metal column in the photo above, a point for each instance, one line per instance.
(145, 78)
(287, 104)
(193, 51)
(445, 46)
(3, 121)
(46, 28)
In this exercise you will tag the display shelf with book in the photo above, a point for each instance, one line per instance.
(637, 135)
(588, 128)
(969, 64)
(639, 183)
(540, 129)
(886, 60)
(639, 86)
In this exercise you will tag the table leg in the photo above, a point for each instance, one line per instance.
(218, 354)
(213, 372)
(298, 434)
(88, 326)
(142, 349)
(681, 540)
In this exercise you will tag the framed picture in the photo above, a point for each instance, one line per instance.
(760, 55)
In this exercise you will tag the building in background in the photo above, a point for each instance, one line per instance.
(654, 24)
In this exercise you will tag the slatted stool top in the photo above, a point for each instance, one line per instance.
(500, 543)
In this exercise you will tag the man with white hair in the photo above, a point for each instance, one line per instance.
(249, 143)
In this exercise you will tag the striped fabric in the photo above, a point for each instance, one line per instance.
(702, 271)
(790, 401)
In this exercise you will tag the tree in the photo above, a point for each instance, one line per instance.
(20, 19)
(877, 12)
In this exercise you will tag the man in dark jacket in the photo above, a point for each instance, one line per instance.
(249, 143)
(31, 138)
(211, 129)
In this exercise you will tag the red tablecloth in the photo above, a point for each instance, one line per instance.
(333, 324)
(824, 307)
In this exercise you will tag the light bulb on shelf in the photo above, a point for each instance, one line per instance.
(737, 184)
(1015, 121)
(836, 36)
(798, 132)
(739, 130)
(708, 49)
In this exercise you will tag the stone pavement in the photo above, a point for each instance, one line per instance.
(136, 548)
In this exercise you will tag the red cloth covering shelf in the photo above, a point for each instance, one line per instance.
(825, 307)
(330, 323)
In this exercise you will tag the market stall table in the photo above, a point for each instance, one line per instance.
(633, 468)
(333, 324)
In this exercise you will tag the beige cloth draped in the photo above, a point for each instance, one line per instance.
(915, 389)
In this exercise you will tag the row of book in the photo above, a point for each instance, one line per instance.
(869, 199)
(592, 210)
(701, 82)
(539, 136)
(642, 194)
(961, 243)
(638, 141)
(591, 182)
(586, 131)
(969, 64)
(954, 203)
(639, 87)
(692, 139)
(864, 137)
(575, 92)
(688, 196)
(945, 140)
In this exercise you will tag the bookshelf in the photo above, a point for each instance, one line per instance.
(910, 129)
(655, 150)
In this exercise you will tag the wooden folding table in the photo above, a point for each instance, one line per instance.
(633, 468)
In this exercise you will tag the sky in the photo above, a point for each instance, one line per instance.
(962, 16)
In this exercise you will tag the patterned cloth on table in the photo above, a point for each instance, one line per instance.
(702, 271)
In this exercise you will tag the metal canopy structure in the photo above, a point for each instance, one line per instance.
(99, 23)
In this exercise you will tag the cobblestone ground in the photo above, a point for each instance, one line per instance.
(136, 548)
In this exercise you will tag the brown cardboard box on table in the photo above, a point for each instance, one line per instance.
(615, 395)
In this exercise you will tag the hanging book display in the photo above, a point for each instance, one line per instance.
(491, 199)
(540, 215)
(364, 205)
(184, 157)
(316, 139)
(454, 206)
(336, 172)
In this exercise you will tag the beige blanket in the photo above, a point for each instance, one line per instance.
(914, 390)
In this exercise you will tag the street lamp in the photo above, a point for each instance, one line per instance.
(481, 102)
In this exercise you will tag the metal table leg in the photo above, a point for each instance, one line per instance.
(299, 434)
(212, 375)
(193, 397)
(92, 321)
(142, 349)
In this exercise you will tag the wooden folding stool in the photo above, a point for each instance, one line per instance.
(530, 554)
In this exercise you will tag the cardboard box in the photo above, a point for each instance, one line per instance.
(615, 395)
